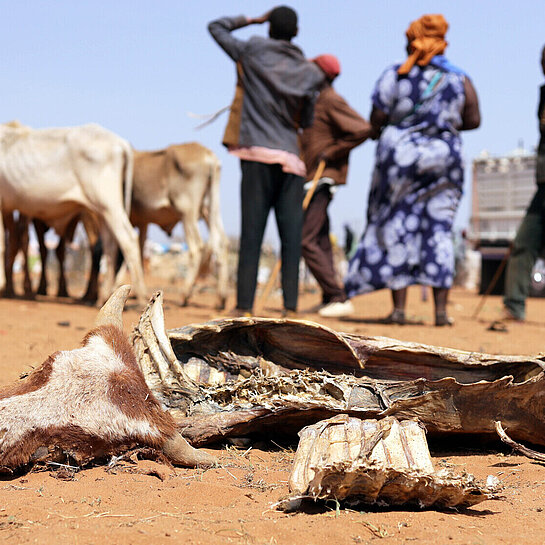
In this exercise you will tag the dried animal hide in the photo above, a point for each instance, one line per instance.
(247, 376)
(374, 461)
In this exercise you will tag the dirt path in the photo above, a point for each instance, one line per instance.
(146, 502)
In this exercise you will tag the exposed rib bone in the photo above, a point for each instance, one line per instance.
(530, 453)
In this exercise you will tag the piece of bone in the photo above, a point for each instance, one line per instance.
(528, 452)
(372, 461)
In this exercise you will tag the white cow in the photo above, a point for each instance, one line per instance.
(54, 174)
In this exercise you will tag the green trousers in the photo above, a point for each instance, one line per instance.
(527, 247)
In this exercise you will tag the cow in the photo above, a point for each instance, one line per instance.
(54, 174)
(178, 183)
(182, 183)
(89, 403)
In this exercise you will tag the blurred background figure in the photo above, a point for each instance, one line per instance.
(530, 238)
(419, 107)
(336, 130)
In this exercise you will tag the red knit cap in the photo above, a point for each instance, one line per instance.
(329, 64)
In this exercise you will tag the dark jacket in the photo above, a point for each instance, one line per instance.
(276, 89)
(336, 130)
(541, 118)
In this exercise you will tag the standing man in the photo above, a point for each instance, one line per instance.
(336, 130)
(275, 94)
(530, 239)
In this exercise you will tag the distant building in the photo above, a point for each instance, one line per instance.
(502, 189)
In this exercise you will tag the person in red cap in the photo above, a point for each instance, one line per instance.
(336, 130)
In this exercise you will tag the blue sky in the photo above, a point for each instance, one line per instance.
(139, 67)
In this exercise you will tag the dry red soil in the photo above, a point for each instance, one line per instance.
(147, 502)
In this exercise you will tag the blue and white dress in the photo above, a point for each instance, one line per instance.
(416, 185)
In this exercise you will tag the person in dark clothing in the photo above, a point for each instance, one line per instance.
(336, 130)
(530, 238)
(275, 94)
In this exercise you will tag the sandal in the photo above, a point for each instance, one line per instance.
(442, 319)
(397, 316)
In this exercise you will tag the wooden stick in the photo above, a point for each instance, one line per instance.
(492, 283)
(530, 453)
(277, 266)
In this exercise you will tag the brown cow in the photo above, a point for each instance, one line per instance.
(87, 403)
(182, 183)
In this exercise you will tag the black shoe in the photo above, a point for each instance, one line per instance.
(442, 319)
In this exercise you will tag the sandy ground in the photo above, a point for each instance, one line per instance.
(147, 502)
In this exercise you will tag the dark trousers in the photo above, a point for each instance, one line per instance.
(316, 246)
(527, 246)
(264, 187)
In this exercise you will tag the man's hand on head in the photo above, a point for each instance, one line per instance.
(259, 20)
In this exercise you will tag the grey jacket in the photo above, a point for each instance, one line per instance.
(276, 89)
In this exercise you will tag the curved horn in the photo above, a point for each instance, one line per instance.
(112, 311)
(180, 452)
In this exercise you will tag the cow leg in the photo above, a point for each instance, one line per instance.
(218, 239)
(109, 249)
(40, 227)
(218, 247)
(61, 252)
(2, 251)
(95, 246)
(10, 244)
(17, 239)
(68, 235)
(23, 225)
(126, 236)
(142, 236)
(195, 249)
(91, 295)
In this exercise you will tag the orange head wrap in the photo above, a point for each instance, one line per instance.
(426, 39)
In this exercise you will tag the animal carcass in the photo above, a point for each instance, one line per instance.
(88, 403)
(252, 376)
(54, 174)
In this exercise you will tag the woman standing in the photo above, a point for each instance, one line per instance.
(419, 107)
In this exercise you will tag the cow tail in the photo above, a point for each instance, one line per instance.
(128, 177)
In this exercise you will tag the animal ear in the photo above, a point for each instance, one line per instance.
(112, 311)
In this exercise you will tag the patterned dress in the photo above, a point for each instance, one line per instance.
(416, 185)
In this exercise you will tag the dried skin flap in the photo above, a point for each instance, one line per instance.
(375, 461)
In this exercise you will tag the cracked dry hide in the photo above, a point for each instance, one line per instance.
(374, 461)
(272, 377)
